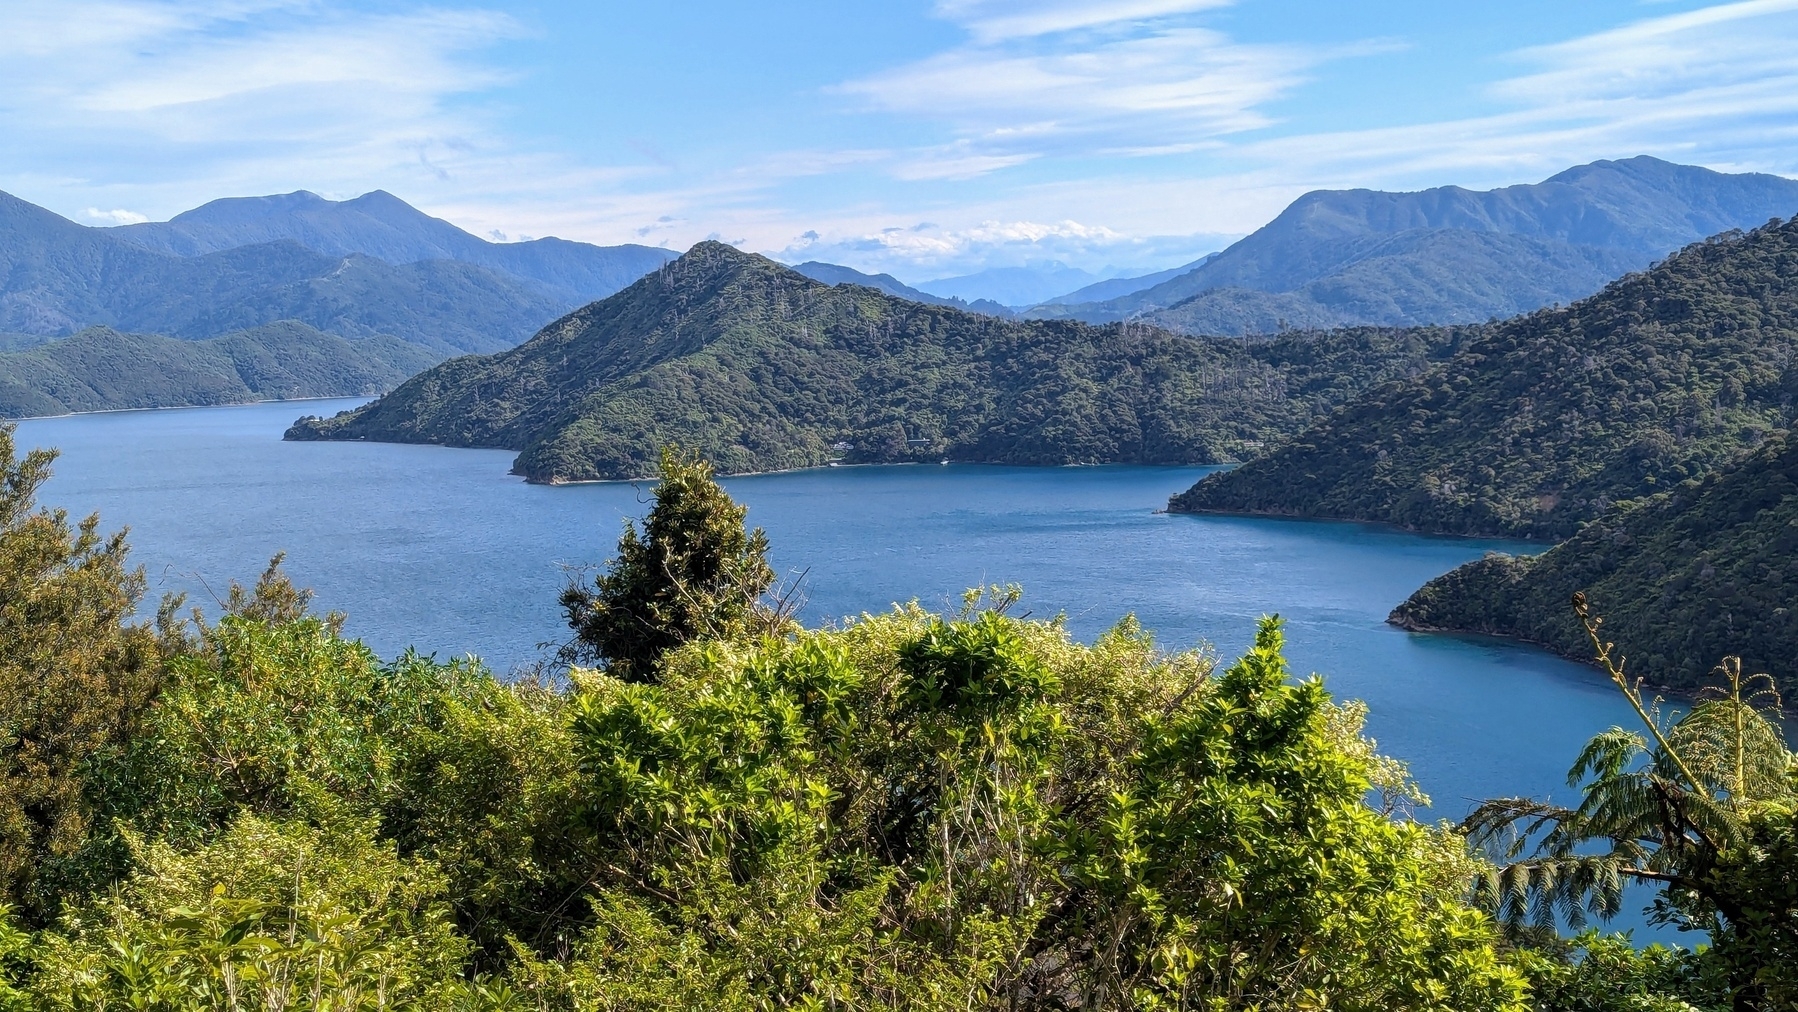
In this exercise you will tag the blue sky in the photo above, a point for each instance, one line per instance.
(921, 137)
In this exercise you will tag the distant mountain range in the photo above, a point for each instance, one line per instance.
(836, 274)
(103, 370)
(383, 226)
(1117, 288)
(1448, 255)
(762, 368)
(1013, 286)
(234, 265)
(1544, 422)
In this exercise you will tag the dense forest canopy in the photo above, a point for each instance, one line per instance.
(759, 368)
(1702, 570)
(103, 370)
(1540, 423)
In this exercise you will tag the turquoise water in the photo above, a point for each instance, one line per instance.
(442, 550)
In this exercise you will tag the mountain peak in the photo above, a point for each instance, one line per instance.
(232, 209)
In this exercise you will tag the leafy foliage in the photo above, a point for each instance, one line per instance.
(694, 573)
(266, 918)
(981, 811)
(1600, 973)
(75, 673)
(103, 370)
(758, 368)
(1684, 577)
(1541, 423)
(1703, 805)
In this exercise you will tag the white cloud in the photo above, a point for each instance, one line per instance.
(115, 217)
(1142, 88)
(1718, 85)
(917, 252)
(993, 20)
(1734, 43)
(242, 95)
(954, 161)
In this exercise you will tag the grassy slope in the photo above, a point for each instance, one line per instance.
(1683, 578)
(1542, 422)
(762, 369)
(101, 369)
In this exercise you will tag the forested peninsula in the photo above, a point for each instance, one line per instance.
(101, 369)
(759, 368)
(1704, 570)
(1539, 424)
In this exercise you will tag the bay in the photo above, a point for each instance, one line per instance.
(441, 550)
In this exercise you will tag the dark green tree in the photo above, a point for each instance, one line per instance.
(695, 571)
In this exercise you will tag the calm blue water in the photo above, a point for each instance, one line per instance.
(442, 550)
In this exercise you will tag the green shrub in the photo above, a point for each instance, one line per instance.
(270, 916)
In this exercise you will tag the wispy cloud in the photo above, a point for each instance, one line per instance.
(1132, 76)
(995, 20)
(229, 90)
(1097, 132)
(1717, 85)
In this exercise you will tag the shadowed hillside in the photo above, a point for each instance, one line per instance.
(1707, 569)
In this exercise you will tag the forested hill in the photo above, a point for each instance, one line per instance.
(1682, 579)
(760, 368)
(1542, 422)
(103, 370)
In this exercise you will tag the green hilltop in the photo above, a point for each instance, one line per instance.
(101, 369)
(1683, 578)
(760, 368)
(1540, 423)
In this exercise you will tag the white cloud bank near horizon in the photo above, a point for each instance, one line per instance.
(1131, 134)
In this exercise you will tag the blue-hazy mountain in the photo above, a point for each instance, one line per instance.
(383, 226)
(1451, 255)
(1117, 288)
(837, 274)
(1012, 286)
(58, 277)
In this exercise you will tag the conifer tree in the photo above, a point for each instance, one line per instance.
(695, 571)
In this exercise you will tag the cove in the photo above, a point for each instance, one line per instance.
(442, 550)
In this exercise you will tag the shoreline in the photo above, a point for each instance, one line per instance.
(554, 482)
(1382, 524)
(191, 407)
(1668, 692)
